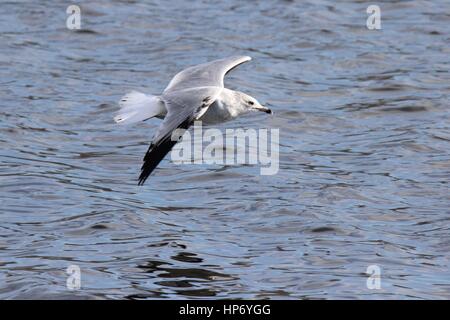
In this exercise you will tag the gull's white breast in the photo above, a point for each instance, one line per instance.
(226, 107)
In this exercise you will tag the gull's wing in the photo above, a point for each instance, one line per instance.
(183, 108)
(206, 74)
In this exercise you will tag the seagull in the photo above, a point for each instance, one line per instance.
(196, 93)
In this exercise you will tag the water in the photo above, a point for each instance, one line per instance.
(364, 155)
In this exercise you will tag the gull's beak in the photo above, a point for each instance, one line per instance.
(263, 109)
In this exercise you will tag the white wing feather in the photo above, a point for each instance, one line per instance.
(205, 74)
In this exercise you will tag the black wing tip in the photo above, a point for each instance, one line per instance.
(145, 173)
(154, 155)
(157, 151)
(146, 170)
(141, 181)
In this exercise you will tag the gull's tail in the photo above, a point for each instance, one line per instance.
(137, 106)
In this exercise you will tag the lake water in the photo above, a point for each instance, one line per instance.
(364, 153)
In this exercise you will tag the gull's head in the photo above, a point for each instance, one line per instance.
(251, 104)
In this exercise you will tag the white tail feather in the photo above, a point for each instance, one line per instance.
(137, 106)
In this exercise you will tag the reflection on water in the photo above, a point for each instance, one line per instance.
(364, 155)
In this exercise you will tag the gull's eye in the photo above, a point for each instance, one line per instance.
(251, 103)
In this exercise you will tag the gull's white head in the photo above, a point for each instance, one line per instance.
(249, 103)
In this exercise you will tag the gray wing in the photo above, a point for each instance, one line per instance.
(206, 74)
(183, 108)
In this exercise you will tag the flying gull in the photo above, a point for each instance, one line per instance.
(196, 93)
